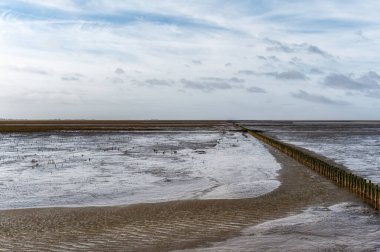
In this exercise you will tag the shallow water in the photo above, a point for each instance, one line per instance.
(342, 227)
(80, 169)
(355, 145)
(360, 153)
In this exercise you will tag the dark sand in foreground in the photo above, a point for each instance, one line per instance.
(164, 226)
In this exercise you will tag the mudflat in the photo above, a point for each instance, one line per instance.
(164, 226)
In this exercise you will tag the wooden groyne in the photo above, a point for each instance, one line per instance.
(365, 189)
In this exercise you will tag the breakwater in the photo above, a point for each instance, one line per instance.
(363, 188)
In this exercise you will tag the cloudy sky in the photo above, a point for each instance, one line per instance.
(190, 59)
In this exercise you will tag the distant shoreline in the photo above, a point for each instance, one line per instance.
(9, 126)
(102, 125)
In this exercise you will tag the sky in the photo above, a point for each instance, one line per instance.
(190, 59)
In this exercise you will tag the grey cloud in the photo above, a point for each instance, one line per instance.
(316, 71)
(288, 75)
(236, 80)
(154, 82)
(72, 77)
(295, 61)
(159, 82)
(228, 64)
(281, 48)
(216, 79)
(277, 46)
(370, 79)
(255, 90)
(206, 86)
(270, 58)
(247, 72)
(373, 75)
(197, 62)
(273, 58)
(369, 93)
(30, 70)
(361, 35)
(373, 94)
(119, 71)
(315, 49)
(316, 98)
(365, 82)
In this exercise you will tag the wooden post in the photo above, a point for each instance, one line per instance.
(351, 182)
(376, 190)
(356, 184)
(371, 193)
(367, 191)
(345, 179)
(378, 197)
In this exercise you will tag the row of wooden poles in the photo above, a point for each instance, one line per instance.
(365, 189)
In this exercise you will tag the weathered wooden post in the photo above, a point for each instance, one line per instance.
(324, 170)
(344, 179)
(356, 184)
(375, 189)
(378, 197)
(367, 190)
(329, 172)
(370, 192)
(363, 187)
(351, 182)
(334, 175)
(373, 195)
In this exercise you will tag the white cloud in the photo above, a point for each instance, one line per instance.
(84, 51)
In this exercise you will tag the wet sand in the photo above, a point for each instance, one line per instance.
(164, 226)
